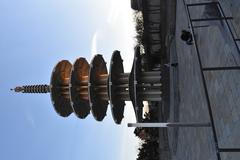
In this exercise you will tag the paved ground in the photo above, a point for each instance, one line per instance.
(188, 101)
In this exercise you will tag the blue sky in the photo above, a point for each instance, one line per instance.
(34, 36)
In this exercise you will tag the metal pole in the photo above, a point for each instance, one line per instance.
(201, 4)
(221, 68)
(229, 149)
(166, 125)
(210, 19)
(201, 26)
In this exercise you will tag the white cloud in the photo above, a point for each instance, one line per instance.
(114, 11)
(121, 20)
(119, 32)
(94, 44)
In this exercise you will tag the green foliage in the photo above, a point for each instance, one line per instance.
(149, 149)
(139, 27)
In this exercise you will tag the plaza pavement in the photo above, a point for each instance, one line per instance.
(187, 98)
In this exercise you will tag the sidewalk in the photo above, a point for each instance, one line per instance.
(224, 90)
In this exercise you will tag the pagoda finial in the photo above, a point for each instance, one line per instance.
(32, 89)
(18, 89)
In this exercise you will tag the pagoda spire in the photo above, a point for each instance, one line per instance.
(32, 89)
